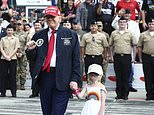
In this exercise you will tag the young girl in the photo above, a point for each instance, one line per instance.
(94, 91)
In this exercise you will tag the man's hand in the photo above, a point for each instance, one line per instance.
(31, 45)
(121, 12)
(8, 58)
(83, 61)
(73, 85)
(104, 61)
(144, 25)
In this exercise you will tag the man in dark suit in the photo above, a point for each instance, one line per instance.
(59, 71)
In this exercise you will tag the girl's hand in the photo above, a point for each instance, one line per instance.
(76, 92)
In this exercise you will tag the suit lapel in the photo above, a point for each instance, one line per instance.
(46, 37)
(44, 47)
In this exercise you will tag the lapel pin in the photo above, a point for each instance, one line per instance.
(39, 42)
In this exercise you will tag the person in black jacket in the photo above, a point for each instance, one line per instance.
(57, 66)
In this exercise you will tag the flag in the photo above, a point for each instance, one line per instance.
(77, 2)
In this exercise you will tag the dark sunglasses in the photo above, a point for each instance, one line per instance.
(99, 25)
(93, 39)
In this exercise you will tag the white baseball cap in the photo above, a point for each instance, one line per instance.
(95, 68)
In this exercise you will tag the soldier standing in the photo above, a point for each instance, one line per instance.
(77, 28)
(146, 55)
(122, 42)
(93, 46)
(105, 65)
(21, 61)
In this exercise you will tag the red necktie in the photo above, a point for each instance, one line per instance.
(49, 53)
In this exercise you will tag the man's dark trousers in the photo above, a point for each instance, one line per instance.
(53, 101)
(122, 67)
(148, 69)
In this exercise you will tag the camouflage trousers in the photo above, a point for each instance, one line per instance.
(21, 70)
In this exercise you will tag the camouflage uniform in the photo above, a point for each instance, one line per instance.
(106, 64)
(80, 34)
(21, 61)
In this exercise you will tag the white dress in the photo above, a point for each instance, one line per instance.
(92, 105)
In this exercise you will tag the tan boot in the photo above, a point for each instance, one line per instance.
(18, 87)
(22, 87)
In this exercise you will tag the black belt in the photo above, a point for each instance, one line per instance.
(93, 56)
(122, 54)
(52, 69)
(150, 55)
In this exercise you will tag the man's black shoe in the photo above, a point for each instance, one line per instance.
(125, 98)
(149, 98)
(131, 89)
(32, 96)
(14, 95)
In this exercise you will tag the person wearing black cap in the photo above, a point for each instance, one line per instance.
(105, 65)
(121, 42)
(146, 55)
(77, 28)
(94, 45)
(56, 52)
(131, 24)
(67, 24)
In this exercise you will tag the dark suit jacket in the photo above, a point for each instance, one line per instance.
(67, 57)
(2, 33)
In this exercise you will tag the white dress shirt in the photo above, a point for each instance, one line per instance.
(53, 58)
